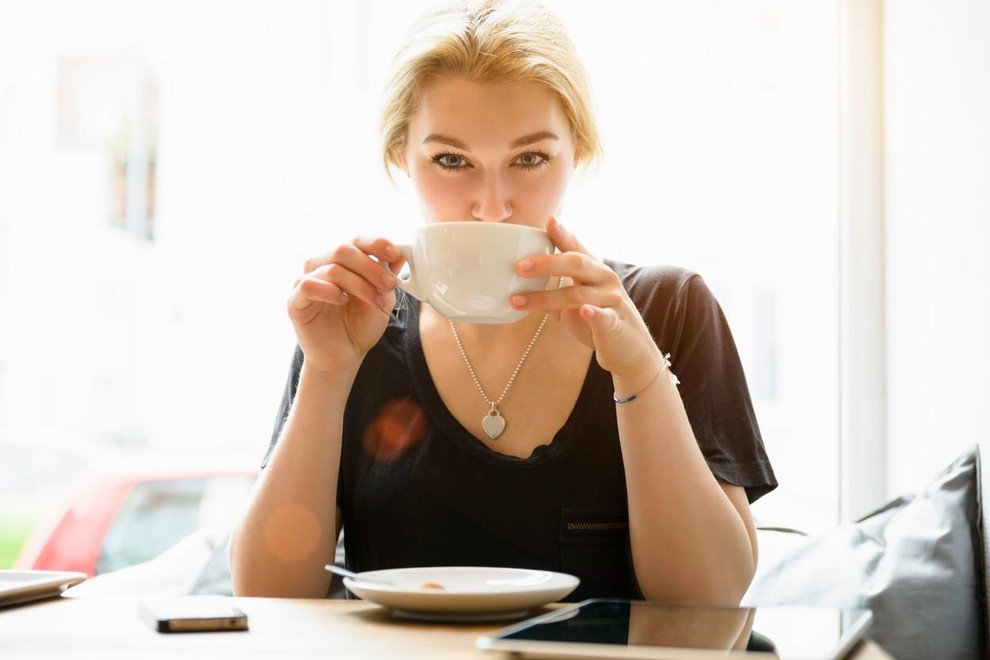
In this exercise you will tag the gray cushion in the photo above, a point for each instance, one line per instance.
(918, 563)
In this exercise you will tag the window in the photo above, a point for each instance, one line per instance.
(107, 102)
(159, 513)
(722, 156)
(243, 147)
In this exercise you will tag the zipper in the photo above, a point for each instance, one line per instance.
(597, 526)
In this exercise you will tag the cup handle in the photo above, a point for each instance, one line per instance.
(408, 285)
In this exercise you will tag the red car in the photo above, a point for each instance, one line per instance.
(117, 520)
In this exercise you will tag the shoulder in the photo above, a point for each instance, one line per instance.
(663, 285)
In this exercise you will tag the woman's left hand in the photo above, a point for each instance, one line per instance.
(595, 308)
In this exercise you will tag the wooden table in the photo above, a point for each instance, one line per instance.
(300, 629)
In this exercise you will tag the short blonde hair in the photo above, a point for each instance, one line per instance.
(489, 41)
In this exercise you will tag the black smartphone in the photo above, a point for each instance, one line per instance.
(192, 614)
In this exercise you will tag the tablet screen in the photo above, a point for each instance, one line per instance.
(638, 629)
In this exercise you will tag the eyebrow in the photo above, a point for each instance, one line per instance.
(539, 136)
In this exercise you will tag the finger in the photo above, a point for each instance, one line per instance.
(309, 290)
(563, 238)
(386, 260)
(568, 297)
(602, 321)
(349, 282)
(357, 257)
(382, 249)
(578, 266)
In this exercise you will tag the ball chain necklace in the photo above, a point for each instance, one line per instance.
(493, 422)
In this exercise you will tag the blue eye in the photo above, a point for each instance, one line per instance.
(450, 161)
(533, 159)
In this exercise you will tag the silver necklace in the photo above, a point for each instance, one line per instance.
(493, 423)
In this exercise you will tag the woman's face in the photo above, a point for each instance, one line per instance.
(495, 153)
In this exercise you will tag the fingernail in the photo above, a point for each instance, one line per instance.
(380, 301)
(344, 297)
(392, 252)
(519, 301)
(526, 265)
(388, 280)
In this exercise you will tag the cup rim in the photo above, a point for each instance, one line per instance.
(503, 225)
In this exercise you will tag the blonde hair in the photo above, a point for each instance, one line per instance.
(489, 41)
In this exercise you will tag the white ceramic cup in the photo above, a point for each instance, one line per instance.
(466, 270)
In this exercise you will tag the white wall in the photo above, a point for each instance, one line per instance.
(937, 108)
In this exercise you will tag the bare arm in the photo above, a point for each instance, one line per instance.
(340, 308)
(693, 538)
(290, 528)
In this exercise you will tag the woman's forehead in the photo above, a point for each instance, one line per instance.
(462, 108)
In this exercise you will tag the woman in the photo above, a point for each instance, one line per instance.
(605, 468)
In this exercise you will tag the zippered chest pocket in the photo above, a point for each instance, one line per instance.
(586, 523)
(594, 546)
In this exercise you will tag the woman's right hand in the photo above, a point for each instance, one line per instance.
(341, 305)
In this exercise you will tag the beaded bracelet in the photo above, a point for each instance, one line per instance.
(663, 367)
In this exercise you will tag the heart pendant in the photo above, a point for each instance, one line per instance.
(494, 424)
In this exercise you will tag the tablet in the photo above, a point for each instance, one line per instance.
(25, 586)
(604, 628)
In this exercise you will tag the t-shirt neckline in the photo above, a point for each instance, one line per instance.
(422, 380)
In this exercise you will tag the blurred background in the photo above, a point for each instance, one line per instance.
(166, 166)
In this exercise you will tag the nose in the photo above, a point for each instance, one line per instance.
(491, 202)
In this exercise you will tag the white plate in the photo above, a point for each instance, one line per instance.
(25, 586)
(469, 593)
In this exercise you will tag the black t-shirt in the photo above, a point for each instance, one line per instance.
(416, 489)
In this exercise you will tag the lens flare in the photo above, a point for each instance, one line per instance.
(400, 426)
(292, 532)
